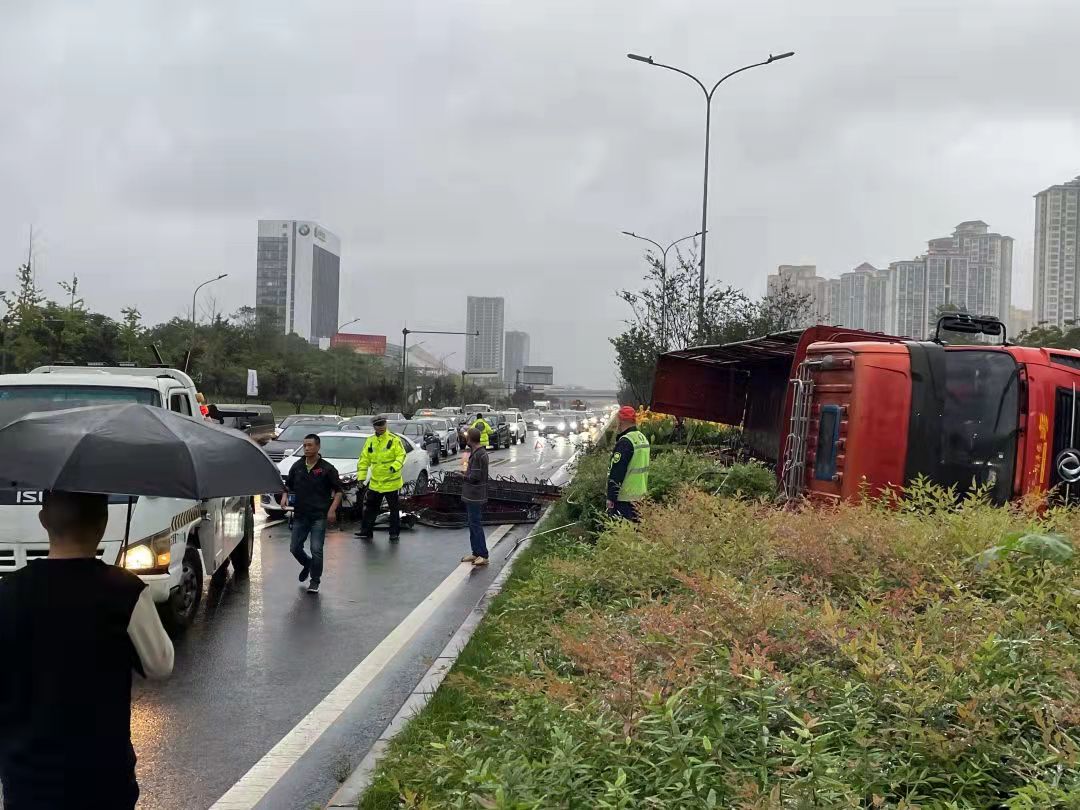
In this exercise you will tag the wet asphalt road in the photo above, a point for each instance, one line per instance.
(263, 653)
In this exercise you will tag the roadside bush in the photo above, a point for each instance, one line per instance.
(725, 653)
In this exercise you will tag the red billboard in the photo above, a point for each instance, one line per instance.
(361, 344)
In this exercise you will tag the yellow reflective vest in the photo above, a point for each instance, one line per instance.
(384, 456)
(484, 428)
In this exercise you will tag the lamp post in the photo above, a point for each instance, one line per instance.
(191, 349)
(405, 332)
(705, 184)
(343, 325)
(663, 279)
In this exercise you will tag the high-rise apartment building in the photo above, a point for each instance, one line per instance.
(802, 279)
(1057, 237)
(298, 277)
(907, 298)
(855, 292)
(484, 352)
(516, 351)
(970, 271)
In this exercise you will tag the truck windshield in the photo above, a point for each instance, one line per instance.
(18, 400)
(980, 421)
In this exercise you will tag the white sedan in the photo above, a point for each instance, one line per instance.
(342, 449)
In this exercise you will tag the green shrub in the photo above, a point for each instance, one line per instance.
(725, 653)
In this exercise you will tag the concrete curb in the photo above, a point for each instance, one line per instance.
(348, 795)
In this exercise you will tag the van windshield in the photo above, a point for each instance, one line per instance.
(18, 400)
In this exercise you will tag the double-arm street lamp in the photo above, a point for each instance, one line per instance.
(663, 279)
(191, 350)
(405, 332)
(705, 185)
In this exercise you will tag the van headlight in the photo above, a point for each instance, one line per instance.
(154, 552)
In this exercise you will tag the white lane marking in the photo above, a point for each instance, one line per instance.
(265, 773)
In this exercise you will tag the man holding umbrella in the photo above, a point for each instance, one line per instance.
(384, 456)
(316, 488)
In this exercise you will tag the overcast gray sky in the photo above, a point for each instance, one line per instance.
(500, 147)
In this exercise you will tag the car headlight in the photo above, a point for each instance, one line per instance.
(562, 425)
(539, 424)
(153, 552)
(573, 425)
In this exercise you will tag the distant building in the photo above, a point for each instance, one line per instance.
(828, 301)
(298, 276)
(484, 352)
(1057, 270)
(907, 298)
(516, 351)
(801, 279)
(855, 295)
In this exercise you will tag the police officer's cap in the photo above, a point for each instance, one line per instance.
(378, 421)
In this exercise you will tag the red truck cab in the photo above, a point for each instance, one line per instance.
(870, 413)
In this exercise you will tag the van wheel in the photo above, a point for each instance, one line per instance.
(178, 613)
(245, 549)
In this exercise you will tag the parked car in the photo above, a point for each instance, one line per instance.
(518, 428)
(421, 434)
(361, 422)
(445, 429)
(257, 421)
(342, 449)
(293, 418)
(292, 437)
(500, 429)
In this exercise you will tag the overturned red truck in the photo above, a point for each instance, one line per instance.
(840, 411)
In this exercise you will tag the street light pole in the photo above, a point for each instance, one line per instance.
(405, 332)
(705, 181)
(191, 349)
(663, 279)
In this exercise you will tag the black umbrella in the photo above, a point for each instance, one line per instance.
(132, 449)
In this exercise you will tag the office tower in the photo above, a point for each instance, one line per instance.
(484, 352)
(1057, 236)
(298, 276)
(516, 349)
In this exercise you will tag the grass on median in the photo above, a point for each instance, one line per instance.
(728, 654)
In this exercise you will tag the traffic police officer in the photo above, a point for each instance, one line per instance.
(482, 425)
(384, 456)
(628, 472)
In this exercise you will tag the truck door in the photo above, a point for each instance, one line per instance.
(1065, 467)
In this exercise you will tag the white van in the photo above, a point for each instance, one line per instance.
(174, 544)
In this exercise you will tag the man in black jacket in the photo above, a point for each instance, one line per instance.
(474, 496)
(317, 489)
(73, 630)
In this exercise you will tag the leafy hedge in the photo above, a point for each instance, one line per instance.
(725, 653)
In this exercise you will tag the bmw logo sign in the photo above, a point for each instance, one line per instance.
(304, 230)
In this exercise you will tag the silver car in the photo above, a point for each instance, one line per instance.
(446, 430)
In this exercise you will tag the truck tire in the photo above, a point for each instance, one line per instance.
(179, 611)
(245, 549)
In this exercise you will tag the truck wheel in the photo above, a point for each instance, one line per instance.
(245, 549)
(178, 613)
